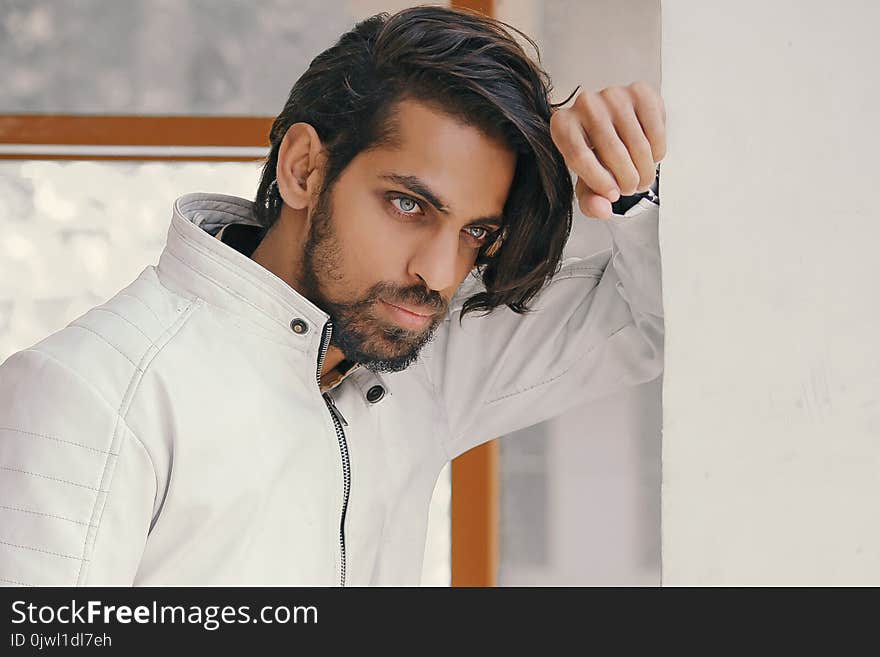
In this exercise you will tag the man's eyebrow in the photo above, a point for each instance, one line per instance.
(417, 186)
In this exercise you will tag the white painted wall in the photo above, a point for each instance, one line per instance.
(770, 235)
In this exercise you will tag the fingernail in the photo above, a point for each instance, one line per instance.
(615, 194)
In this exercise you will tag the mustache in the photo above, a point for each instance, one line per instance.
(416, 295)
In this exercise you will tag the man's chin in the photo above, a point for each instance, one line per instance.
(396, 360)
(391, 363)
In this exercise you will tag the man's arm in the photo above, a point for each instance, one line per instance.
(598, 326)
(77, 488)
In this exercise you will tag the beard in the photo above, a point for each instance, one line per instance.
(358, 331)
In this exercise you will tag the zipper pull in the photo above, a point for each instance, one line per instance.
(329, 399)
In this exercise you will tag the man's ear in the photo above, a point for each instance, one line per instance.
(299, 171)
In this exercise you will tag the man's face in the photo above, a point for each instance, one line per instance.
(399, 231)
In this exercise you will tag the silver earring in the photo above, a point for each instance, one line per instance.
(271, 193)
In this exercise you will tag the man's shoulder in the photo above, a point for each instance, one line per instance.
(109, 345)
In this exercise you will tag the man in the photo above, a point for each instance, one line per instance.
(272, 403)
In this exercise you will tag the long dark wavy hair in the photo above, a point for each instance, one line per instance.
(471, 67)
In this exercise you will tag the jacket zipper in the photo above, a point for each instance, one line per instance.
(338, 421)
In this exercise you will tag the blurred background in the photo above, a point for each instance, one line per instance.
(573, 501)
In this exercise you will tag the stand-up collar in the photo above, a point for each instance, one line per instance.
(205, 267)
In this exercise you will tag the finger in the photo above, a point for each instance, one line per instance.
(596, 119)
(568, 135)
(630, 131)
(592, 205)
(651, 114)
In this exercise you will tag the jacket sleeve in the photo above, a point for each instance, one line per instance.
(596, 328)
(77, 488)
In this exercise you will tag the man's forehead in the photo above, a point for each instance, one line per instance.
(413, 122)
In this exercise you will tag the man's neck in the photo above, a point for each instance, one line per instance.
(280, 251)
(331, 360)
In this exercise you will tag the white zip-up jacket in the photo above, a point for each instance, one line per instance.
(177, 434)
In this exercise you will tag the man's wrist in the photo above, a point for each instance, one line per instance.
(624, 203)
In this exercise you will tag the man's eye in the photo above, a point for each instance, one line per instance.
(478, 232)
(406, 205)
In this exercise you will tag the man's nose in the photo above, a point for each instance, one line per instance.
(436, 260)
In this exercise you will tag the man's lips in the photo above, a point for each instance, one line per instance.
(413, 310)
(411, 317)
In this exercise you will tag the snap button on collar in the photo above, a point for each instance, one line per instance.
(375, 393)
(299, 326)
